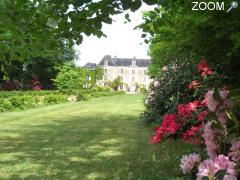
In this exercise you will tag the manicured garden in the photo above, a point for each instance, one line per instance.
(97, 139)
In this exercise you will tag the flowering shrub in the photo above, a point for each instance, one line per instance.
(177, 84)
(211, 121)
(167, 91)
(36, 85)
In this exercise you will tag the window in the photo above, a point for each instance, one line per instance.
(134, 63)
(121, 78)
(121, 71)
(121, 86)
(105, 71)
(133, 71)
(145, 72)
(105, 78)
(133, 78)
(105, 84)
(105, 63)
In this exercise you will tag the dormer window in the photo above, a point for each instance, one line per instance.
(105, 63)
(133, 63)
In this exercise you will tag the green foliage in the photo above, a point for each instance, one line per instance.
(42, 28)
(20, 100)
(28, 100)
(70, 77)
(116, 83)
(176, 32)
(54, 99)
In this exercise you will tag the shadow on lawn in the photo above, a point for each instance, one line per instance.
(86, 147)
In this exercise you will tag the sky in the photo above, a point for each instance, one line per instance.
(122, 40)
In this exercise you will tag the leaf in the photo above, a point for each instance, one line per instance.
(220, 174)
(5, 36)
(233, 117)
(127, 17)
(205, 178)
(150, 2)
(143, 35)
(146, 41)
(216, 94)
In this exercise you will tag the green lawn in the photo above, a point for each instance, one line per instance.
(97, 139)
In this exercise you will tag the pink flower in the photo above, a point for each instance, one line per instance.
(188, 162)
(235, 151)
(210, 101)
(229, 177)
(222, 117)
(223, 163)
(202, 115)
(208, 135)
(206, 168)
(210, 167)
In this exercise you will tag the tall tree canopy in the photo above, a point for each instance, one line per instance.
(39, 27)
(37, 33)
(175, 31)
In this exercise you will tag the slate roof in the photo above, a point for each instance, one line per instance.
(124, 61)
(90, 65)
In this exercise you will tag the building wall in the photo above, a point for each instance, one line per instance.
(130, 76)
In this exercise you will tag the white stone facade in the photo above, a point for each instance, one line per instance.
(132, 75)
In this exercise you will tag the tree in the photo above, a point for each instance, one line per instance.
(70, 77)
(176, 32)
(26, 26)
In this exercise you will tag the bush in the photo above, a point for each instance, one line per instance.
(172, 87)
(55, 99)
(70, 77)
(19, 100)
(82, 97)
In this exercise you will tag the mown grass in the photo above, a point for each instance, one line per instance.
(98, 139)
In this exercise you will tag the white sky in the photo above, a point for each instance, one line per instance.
(122, 40)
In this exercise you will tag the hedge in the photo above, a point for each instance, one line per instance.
(20, 100)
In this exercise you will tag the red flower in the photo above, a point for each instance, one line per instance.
(155, 139)
(203, 68)
(168, 126)
(203, 103)
(184, 110)
(193, 84)
(202, 115)
(189, 135)
(193, 105)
